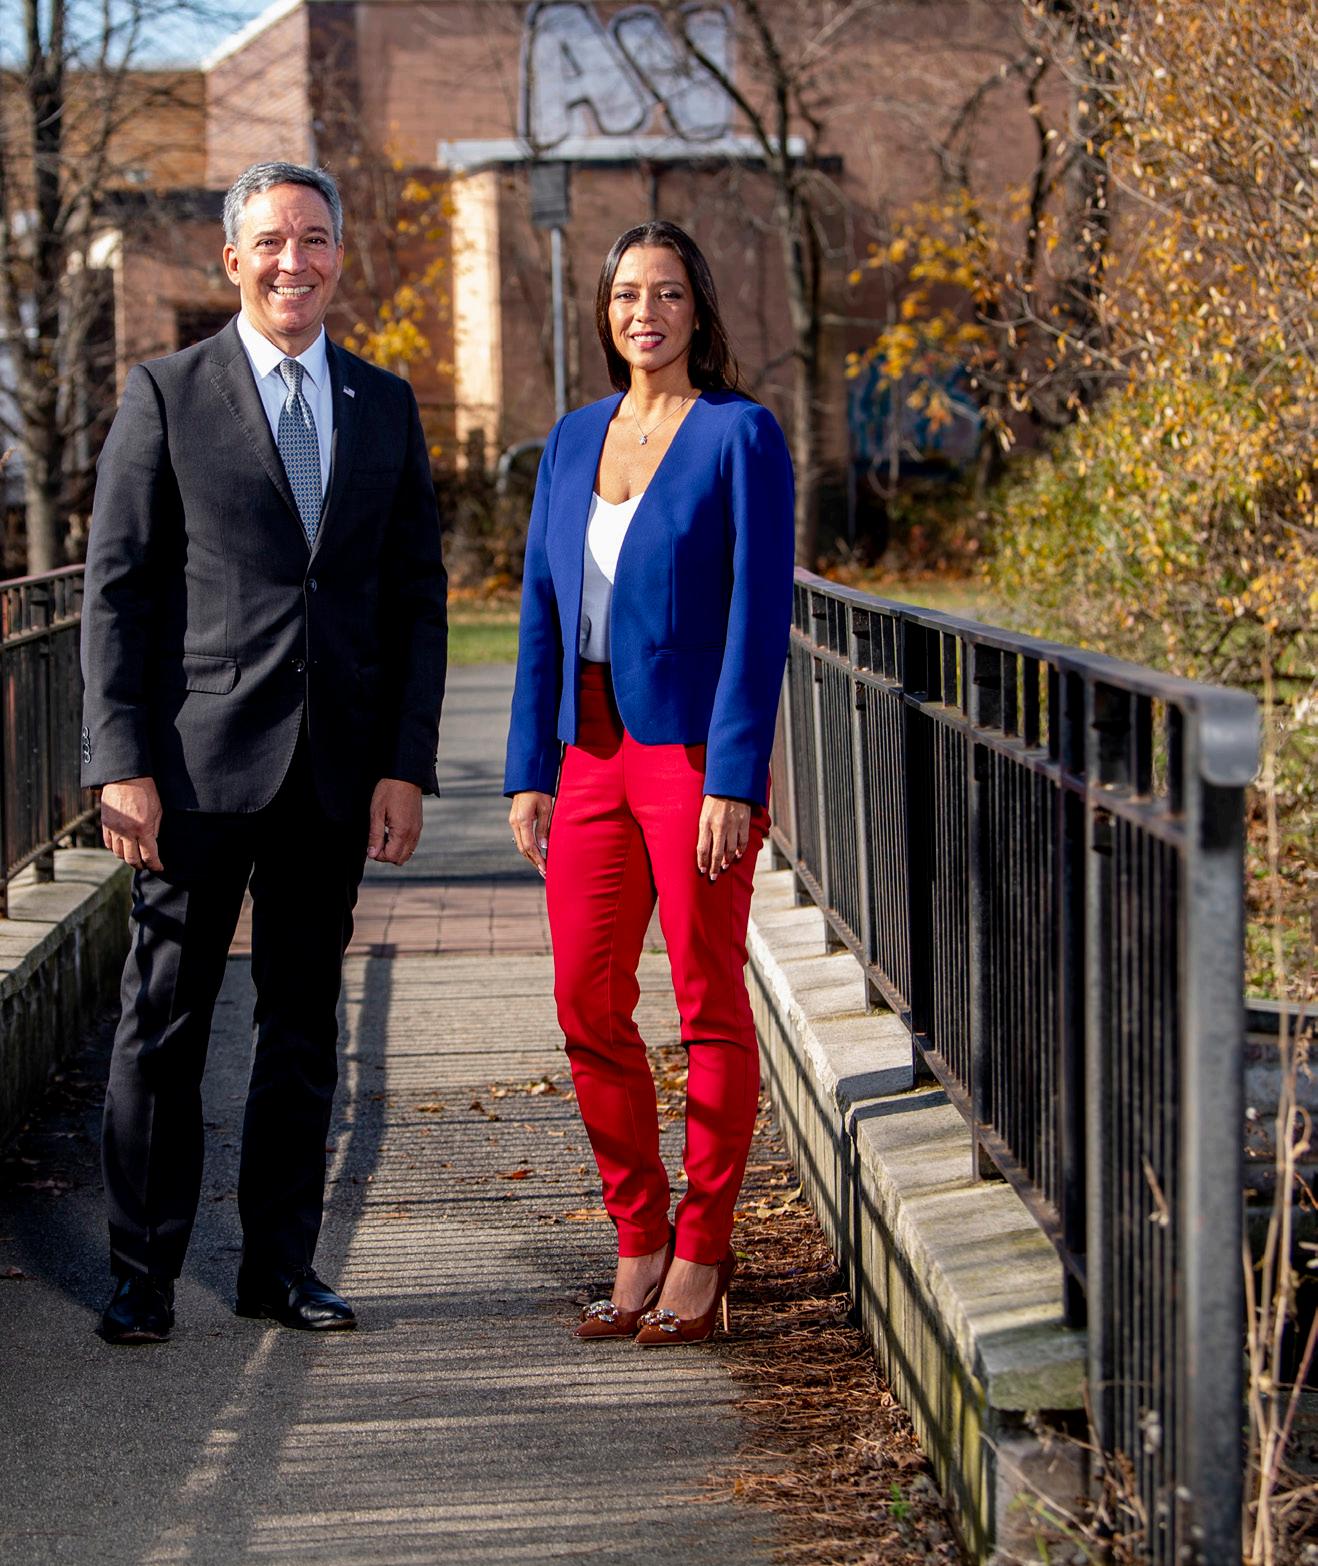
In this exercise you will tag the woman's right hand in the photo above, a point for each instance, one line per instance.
(529, 819)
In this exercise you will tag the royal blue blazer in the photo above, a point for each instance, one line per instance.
(702, 598)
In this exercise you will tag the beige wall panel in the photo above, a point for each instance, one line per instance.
(477, 310)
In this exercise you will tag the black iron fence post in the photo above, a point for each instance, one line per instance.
(1211, 1152)
(42, 611)
(6, 763)
(918, 755)
(862, 657)
(823, 868)
(1070, 824)
(985, 712)
(1108, 1390)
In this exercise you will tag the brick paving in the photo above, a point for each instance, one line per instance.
(416, 918)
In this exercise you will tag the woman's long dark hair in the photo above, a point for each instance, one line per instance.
(711, 364)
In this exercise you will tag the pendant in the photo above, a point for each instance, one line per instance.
(644, 439)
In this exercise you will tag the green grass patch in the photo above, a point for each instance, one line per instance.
(482, 633)
(967, 596)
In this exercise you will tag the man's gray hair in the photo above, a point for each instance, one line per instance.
(261, 177)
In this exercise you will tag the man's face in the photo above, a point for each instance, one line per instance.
(286, 264)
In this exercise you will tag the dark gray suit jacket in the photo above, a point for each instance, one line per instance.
(211, 629)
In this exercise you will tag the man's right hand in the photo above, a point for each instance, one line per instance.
(130, 821)
(529, 819)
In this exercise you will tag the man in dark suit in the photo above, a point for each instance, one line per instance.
(264, 651)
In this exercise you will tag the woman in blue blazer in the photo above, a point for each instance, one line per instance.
(656, 601)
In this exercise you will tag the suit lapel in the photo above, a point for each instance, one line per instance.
(343, 445)
(233, 379)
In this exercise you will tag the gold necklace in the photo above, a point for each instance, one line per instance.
(646, 434)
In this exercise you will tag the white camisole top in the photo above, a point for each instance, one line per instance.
(606, 527)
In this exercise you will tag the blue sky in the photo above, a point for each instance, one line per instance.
(172, 32)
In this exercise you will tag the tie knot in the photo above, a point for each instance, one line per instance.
(291, 371)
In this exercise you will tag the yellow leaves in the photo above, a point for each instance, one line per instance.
(398, 337)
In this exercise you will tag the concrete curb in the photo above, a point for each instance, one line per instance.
(61, 952)
(958, 1288)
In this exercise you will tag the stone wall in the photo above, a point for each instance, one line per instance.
(958, 1289)
(61, 953)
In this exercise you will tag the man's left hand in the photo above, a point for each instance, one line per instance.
(395, 821)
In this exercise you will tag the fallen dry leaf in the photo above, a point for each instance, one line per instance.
(513, 1174)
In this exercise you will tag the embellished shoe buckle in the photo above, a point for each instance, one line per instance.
(601, 1310)
(663, 1318)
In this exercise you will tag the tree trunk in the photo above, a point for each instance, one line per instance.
(805, 449)
(1090, 214)
(39, 373)
(45, 530)
(803, 311)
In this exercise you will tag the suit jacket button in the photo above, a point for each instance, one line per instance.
(312, 584)
(299, 666)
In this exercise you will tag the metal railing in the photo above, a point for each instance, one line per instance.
(1036, 855)
(41, 799)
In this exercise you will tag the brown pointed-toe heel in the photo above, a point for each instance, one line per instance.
(604, 1319)
(663, 1328)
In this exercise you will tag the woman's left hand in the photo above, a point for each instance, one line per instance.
(723, 834)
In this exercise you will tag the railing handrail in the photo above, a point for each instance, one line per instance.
(1228, 756)
(61, 573)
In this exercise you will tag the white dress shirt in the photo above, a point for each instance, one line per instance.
(606, 527)
(265, 360)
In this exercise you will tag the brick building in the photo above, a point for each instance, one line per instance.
(452, 94)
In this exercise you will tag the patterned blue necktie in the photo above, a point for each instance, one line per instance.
(299, 446)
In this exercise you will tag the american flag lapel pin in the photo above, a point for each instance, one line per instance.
(348, 392)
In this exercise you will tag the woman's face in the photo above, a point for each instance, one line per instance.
(652, 313)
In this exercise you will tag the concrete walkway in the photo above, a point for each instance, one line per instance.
(461, 1423)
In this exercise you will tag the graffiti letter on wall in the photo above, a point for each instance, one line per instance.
(580, 78)
(571, 70)
(696, 104)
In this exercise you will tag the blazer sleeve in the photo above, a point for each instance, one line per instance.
(757, 471)
(414, 614)
(135, 491)
(534, 751)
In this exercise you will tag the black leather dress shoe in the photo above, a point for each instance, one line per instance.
(294, 1298)
(141, 1310)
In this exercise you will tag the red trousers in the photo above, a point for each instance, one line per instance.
(624, 830)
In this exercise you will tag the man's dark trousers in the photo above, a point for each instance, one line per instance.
(304, 868)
